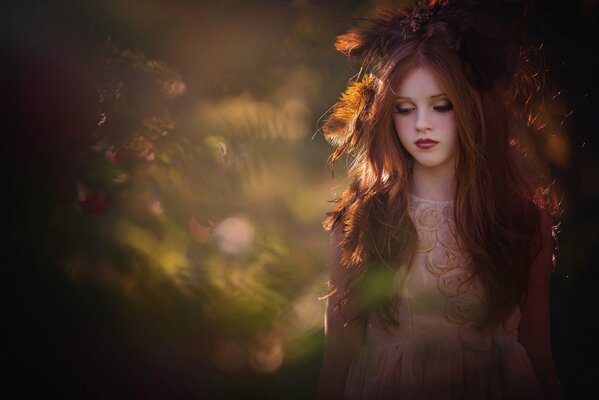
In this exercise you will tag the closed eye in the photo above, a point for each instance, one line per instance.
(403, 110)
(443, 107)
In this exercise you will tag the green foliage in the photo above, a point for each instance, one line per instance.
(188, 209)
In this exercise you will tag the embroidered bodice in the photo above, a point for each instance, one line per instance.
(437, 351)
(441, 296)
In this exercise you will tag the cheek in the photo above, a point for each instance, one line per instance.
(405, 142)
(400, 128)
(448, 125)
(454, 132)
(454, 137)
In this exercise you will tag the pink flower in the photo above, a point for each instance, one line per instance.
(465, 307)
(455, 282)
(447, 236)
(426, 240)
(440, 260)
(428, 217)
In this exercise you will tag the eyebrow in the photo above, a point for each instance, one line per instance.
(430, 97)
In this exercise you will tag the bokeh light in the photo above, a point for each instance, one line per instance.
(166, 183)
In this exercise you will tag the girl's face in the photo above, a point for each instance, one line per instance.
(425, 122)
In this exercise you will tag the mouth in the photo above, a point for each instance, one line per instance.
(425, 143)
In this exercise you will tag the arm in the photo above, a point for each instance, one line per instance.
(341, 341)
(534, 330)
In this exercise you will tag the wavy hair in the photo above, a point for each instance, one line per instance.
(497, 211)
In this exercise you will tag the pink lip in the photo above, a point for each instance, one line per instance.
(425, 143)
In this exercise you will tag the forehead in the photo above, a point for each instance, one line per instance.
(419, 82)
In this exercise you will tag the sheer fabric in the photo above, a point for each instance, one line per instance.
(436, 351)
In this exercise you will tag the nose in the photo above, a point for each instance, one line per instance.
(423, 122)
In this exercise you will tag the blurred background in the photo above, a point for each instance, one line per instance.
(164, 181)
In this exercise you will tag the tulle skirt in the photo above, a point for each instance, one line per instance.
(447, 370)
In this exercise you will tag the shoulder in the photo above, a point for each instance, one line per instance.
(336, 249)
(342, 205)
(336, 239)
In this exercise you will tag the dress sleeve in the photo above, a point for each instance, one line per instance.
(534, 330)
(342, 338)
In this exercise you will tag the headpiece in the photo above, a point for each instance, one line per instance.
(486, 34)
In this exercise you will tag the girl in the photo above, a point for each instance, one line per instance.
(441, 251)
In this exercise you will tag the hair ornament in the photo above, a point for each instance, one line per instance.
(344, 126)
(485, 33)
(419, 16)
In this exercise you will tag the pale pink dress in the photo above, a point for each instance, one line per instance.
(436, 352)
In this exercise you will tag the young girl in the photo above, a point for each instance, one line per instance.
(441, 252)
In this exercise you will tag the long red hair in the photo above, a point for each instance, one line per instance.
(497, 211)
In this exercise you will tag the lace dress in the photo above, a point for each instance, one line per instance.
(436, 352)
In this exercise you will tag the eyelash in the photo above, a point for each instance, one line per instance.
(443, 107)
(440, 108)
(403, 111)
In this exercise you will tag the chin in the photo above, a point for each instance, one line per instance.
(429, 163)
(432, 163)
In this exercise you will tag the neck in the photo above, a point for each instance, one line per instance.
(433, 183)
